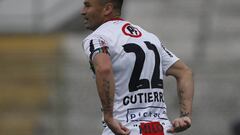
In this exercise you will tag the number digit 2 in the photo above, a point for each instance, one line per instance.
(156, 82)
(135, 82)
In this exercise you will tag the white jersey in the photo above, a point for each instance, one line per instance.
(139, 63)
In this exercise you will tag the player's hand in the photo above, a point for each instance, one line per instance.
(180, 124)
(116, 127)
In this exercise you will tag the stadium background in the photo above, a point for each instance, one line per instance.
(46, 87)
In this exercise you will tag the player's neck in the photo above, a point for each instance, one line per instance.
(113, 18)
(116, 18)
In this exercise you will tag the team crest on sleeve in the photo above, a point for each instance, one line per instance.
(131, 31)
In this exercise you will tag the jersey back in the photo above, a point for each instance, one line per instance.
(139, 63)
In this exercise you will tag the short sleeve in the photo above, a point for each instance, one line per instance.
(95, 45)
(168, 59)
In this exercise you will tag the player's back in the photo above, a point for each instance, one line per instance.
(138, 72)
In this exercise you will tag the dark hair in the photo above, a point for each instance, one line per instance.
(116, 3)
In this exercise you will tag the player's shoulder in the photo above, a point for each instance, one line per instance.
(150, 36)
(109, 31)
(145, 33)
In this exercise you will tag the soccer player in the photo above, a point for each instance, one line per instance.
(129, 64)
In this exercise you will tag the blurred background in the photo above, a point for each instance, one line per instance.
(46, 86)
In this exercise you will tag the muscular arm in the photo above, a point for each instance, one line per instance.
(106, 89)
(185, 88)
(105, 82)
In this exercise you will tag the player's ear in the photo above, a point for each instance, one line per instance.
(108, 9)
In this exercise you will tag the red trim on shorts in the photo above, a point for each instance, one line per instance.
(151, 128)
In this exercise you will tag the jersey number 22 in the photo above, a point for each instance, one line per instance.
(135, 82)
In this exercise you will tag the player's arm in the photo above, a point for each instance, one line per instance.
(105, 82)
(185, 88)
(106, 89)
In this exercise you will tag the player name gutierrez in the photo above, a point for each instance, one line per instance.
(148, 97)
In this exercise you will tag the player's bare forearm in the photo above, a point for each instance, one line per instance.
(185, 88)
(106, 95)
(106, 88)
(185, 92)
(105, 83)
